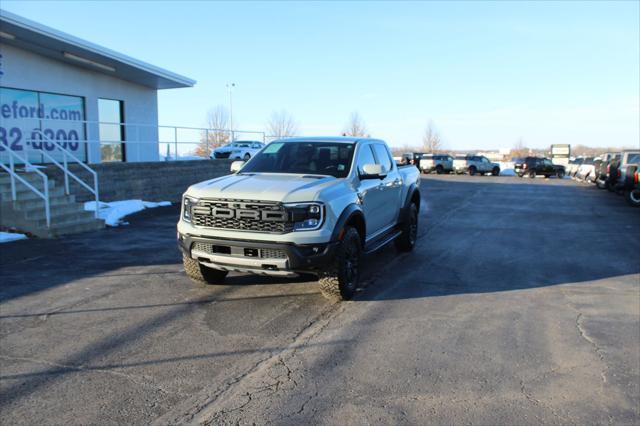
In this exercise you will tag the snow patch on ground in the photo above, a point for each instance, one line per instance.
(115, 211)
(6, 237)
(506, 168)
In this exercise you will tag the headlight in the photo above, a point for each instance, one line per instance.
(306, 216)
(187, 205)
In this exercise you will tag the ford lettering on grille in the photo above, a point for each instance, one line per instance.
(242, 215)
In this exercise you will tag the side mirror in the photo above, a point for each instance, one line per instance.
(236, 166)
(372, 171)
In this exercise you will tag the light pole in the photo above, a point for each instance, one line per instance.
(230, 87)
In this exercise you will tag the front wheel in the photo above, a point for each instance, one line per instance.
(633, 197)
(495, 171)
(407, 240)
(472, 170)
(439, 170)
(200, 273)
(560, 174)
(532, 174)
(340, 279)
(247, 157)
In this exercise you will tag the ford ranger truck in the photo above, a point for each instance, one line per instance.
(303, 205)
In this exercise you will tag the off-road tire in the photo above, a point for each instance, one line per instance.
(407, 240)
(532, 174)
(439, 170)
(495, 171)
(633, 197)
(339, 280)
(201, 274)
(472, 171)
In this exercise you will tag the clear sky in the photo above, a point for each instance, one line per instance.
(486, 73)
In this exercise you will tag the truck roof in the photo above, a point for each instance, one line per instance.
(344, 139)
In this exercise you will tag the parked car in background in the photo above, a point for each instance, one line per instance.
(534, 166)
(238, 150)
(627, 158)
(602, 171)
(412, 158)
(439, 163)
(586, 169)
(573, 166)
(475, 164)
(632, 186)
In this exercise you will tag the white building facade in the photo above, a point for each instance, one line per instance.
(98, 104)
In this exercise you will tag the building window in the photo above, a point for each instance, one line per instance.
(111, 117)
(25, 116)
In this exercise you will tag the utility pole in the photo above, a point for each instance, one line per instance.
(230, 87)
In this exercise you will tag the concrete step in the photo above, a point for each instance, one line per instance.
(68, 229)
(21, 187)
(57, 211)
(27, 194)
(64, 219)
(38, 203)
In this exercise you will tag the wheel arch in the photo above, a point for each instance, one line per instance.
(352, 215)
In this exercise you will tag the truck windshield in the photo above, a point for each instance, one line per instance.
(315, 158)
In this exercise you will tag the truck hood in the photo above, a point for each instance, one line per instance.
(264, 187)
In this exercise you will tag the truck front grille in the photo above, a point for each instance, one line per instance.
(242, 215)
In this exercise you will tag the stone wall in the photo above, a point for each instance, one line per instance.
(149, 181)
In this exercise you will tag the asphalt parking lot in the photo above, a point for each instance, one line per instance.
(520, 305)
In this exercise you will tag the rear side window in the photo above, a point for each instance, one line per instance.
(383, 157)
(633, 158)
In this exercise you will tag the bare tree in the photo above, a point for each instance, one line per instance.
(281, 125)
(431, 140)
(519, 149)
(217, 133)
(355, 126)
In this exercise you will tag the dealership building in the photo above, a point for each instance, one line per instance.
(100, 104)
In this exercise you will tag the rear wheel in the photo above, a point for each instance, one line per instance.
(340, 279)
(633, 197)
(200, 273)
(407, 240)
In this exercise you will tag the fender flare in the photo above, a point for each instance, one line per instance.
(413, 194)
(352, 212)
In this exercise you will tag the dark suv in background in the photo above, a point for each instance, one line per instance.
(533, 166)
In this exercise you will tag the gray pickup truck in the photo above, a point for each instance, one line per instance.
(303, 205)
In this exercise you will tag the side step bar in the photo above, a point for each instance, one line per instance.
(378, 243)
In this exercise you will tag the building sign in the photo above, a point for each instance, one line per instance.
(26, 115)
(561, 150)
(560, 154)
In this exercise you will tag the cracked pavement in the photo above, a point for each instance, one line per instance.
(520, 305)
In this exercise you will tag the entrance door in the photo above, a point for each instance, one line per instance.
(112, 135)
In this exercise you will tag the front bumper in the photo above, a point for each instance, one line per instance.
(257, 257)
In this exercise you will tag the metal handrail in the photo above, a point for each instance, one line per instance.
(67, 173)
(11, 170)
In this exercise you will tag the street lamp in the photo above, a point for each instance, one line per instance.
(230, 87)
